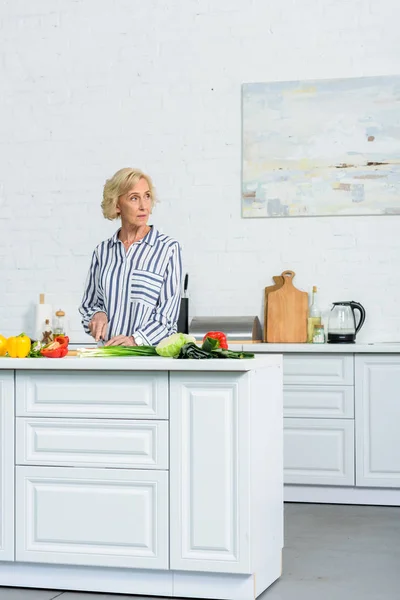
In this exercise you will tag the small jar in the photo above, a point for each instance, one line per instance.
(59, 323)
(319, 334)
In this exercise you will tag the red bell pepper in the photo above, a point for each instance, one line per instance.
(57, 349)
(218, 335)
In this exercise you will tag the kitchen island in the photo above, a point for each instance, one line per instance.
(148, 476)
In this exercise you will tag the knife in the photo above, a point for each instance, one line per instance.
(185, 284)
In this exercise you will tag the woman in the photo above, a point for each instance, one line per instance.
(132, 294)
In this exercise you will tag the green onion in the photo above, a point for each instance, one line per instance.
(107, 351)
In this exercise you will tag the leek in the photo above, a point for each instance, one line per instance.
(110, 351)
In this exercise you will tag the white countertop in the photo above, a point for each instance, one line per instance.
(152, 363)
(371, 348)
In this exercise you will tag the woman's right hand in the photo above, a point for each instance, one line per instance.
(98, 326)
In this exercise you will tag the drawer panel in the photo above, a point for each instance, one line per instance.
(98, 517)
(319, 451)
(107, 394)
(86, 443)
(332, 369)
(318, 401)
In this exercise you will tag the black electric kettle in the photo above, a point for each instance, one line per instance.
(342, 324)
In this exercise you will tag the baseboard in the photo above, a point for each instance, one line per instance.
(178, 584)
(341, 495)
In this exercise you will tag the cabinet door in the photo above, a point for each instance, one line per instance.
(378, 421)
(209, 472)
(7, 465)
(92, 394)
(318, 401)
(100, 517)
(322, 369)
(92, 443)
(319, 451)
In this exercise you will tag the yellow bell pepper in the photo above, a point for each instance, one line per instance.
(18, 346)
(3, 345)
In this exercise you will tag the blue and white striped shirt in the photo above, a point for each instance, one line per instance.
(139, 290)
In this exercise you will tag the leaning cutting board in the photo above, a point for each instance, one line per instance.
(270, 288)
(287, 313)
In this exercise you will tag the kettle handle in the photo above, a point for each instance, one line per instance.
(361, 310)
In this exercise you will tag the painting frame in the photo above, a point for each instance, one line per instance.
(321, 148)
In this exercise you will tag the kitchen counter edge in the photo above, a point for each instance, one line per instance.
(139, 364)
(367, 348)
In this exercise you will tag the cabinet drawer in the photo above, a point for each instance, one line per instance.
(335, 369)
(100, 517)
(318, 401)
(86, 443)
(319, 451)
(112, 394)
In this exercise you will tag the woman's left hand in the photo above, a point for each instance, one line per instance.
(121, 340)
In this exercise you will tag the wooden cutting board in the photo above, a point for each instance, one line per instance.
(287, 313)
(279, 280)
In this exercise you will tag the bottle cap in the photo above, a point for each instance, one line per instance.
(60, 313)
(41, 299)
(314, 289)
(47, 321)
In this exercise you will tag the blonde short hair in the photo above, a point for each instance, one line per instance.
(120, 183)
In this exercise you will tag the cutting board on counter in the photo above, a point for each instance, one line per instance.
(287, 312)
(279, 280)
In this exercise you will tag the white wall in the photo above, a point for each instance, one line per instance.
(90, 86)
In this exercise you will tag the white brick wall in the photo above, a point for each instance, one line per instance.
(89, 86)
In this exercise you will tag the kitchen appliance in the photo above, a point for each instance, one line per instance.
(342, 324)
(183, 318)
(239, 330)
(287, 313)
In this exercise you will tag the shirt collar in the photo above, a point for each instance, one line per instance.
(149, 239)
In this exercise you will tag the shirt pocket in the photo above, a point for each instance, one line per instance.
(146, 287)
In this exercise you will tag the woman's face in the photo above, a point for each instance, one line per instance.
(135, 206)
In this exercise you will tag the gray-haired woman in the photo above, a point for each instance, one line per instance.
(132, 293)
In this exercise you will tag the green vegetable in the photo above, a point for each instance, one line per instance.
(191, 350)
(35, 351)
(107, 351)
(170, 346)
(210, 349)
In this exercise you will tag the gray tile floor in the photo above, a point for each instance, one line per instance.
(331, 553)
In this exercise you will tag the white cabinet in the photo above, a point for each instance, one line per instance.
(323, 369)
(319, 419)
(100, 517)
(7, 465)
(108, 443)
(318, 401)
(92, 394)
(319, 451)
(378, 420)
(210, 476)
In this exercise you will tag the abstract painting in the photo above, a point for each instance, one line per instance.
(320, 148)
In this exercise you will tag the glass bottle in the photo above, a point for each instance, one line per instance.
(314, 315)
(59, 323)
(47, 333)
(319, 334)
